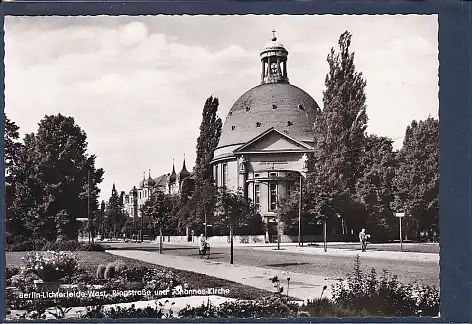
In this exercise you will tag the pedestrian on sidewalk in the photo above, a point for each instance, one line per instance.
(363, 237)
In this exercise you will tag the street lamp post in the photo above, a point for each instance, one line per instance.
(88, 207)
(300, 214)
(278, 231)
(205, 223)
(400, 216)
(160, 239)
(325, 244)
(142, 226)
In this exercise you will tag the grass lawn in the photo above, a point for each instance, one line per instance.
(89, 261)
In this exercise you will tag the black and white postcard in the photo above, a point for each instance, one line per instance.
(238, 166)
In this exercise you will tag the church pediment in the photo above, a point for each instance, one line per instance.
(273, 140)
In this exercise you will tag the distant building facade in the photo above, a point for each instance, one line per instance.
(169, 184)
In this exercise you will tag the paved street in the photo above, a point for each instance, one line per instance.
(336, 264)
(302, 286)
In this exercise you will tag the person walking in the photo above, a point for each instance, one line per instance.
(363, 239)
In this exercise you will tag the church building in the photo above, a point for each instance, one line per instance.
(266, 136)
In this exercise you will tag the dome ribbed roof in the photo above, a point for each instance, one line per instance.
(280, 105)
(273, 44)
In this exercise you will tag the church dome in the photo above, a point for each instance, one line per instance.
(279, 105)
(274, 103)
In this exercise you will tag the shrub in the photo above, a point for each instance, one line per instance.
(123, 312)
(276, 306)
(93, 247)
(323, 307)
(428, 300)
(50, 265)
(72, 245)
(154, 279)
(256, 239)
(101, 271)
(110, 271)
(139, 273)
(115, 268)
(385, 296)
(120, 266)
(244, 239)
(63, 246)
(10, 272)
(26, 245)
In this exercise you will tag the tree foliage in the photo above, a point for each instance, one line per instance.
(115, 216)
(12, 150)
(203, 199)
(13, 146)
(51, 179)
(375, 187)
(210, 132)
(417, 175)
(333, 169)
(288, 211)
(233, 209)
(158, 211)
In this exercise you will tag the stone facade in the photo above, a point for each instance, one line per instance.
(169, 184)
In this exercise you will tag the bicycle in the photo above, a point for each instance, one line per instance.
(205, 251)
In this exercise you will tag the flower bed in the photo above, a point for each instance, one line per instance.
(50, 266)
(78, 288)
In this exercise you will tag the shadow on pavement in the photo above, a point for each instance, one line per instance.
(146, 248)
(287, 264)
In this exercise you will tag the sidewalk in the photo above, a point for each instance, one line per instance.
(385, 255)
(302, 286)
(331, 250)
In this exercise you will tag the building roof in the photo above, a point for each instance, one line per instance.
(184, 173)
(173, 175)
(191, 176)
(279, 105)
(274, 44)
(159, 181)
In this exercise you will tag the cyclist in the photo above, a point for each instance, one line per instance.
(202, 243)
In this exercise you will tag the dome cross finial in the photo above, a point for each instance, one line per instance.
(274, 38)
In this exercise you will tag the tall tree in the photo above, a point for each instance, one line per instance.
(115, 217)
(210, 132)
(12, 151)
(375, 187)
(203, 200)
(23, 218)
(288, 211)
(52, 178)
(333, 169)
(157, 210)
(12, 144)
(417, 176)
(234, 210)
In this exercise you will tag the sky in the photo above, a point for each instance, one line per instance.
(137, 84)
